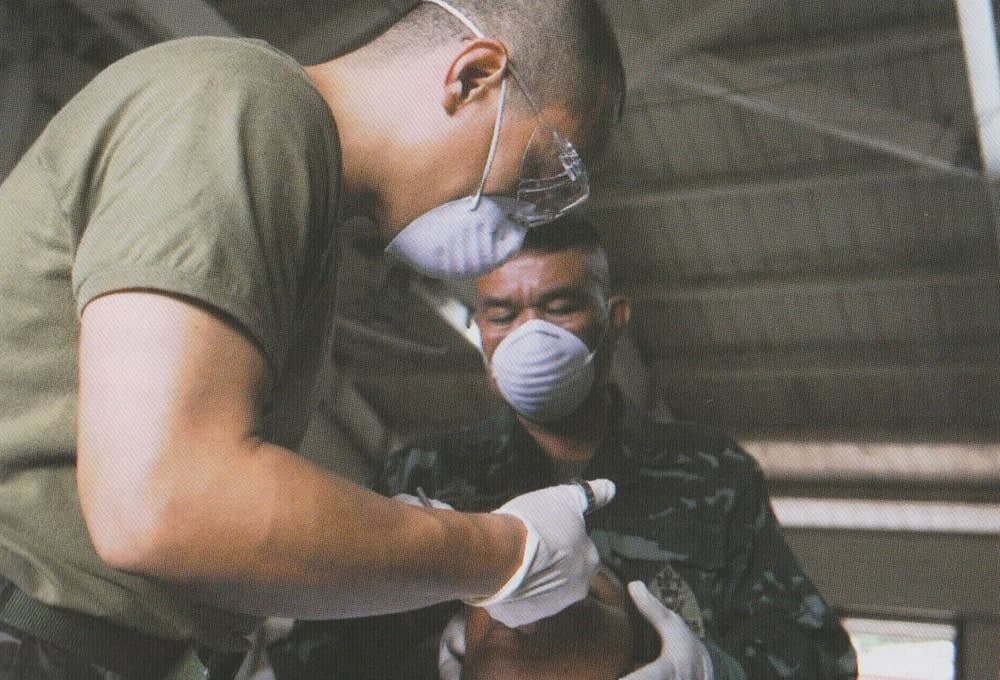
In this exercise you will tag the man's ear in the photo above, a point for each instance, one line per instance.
(620, 312)
(478, 67)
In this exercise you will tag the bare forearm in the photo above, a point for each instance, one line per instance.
(172, 484)
(263, 531)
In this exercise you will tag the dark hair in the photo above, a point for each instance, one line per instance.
(568, 232)
(562, 51)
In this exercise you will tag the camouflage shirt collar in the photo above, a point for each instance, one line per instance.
(614, 458)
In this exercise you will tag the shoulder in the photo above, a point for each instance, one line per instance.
(208, 57)
(226, 91)
(698, 450)
(193, 80)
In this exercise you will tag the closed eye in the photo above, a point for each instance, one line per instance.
(499, 316)
(563, 307)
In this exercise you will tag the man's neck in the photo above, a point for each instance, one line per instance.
(578, 436)
(338, 83)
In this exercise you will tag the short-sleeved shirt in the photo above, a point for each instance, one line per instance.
(691, 518)
(206, 168)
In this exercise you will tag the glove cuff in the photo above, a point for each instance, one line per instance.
(530, 549)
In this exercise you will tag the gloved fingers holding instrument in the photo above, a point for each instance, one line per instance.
(559, 558)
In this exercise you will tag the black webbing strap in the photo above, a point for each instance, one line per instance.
(120, 649)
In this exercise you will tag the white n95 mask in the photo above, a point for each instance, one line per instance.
(474, 235)
(542, 370)
(460, 239)
(465, 237)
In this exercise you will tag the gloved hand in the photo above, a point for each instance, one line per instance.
(451, 648)
(559, 558)
(682, 655)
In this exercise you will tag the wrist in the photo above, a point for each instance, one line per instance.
(515, 579)
(508, 539)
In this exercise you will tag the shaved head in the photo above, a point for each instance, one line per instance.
(563, 52)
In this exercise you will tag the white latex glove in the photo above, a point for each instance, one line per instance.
(559, 558)
(451, 648)
(682, 655)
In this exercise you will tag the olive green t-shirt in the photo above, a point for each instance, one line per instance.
(207, 168)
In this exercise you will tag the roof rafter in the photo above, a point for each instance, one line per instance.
(729, 186)
(800, 285)
(711, 22)
(811, 105)
(139, 23)
(866, 45)
(839, 362)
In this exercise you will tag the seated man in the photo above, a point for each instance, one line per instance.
(691, 519)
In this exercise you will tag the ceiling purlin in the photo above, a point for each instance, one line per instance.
(831, 113)
(138, 23)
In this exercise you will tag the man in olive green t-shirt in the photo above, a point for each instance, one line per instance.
(166, 277)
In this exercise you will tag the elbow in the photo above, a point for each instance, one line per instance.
(129, 537)
(131, 517)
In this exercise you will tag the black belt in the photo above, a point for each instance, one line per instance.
(117, 648)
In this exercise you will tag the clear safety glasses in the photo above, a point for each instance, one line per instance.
(553, 178)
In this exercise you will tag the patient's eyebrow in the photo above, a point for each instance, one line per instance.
(491, 301)
(569, 292)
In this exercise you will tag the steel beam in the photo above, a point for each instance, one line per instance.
(836, 362)
(803, 285)
(979, 43)
(733, 186)
(341, 32)
(860, 46)
(139, 23)
(111, 15)
(812, 106)
(649, 52)
(923, 462)
(181, 18)
(880, 515)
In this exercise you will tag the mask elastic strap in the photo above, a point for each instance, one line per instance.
(601, 340)
(503, 97)
(479, 34)
(458, 15)
(494, 143)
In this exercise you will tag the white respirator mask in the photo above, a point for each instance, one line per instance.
(460, 239)
(471, 236)
(543, 371)
(466, 237)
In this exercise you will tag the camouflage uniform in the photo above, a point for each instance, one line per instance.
(691, 518)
